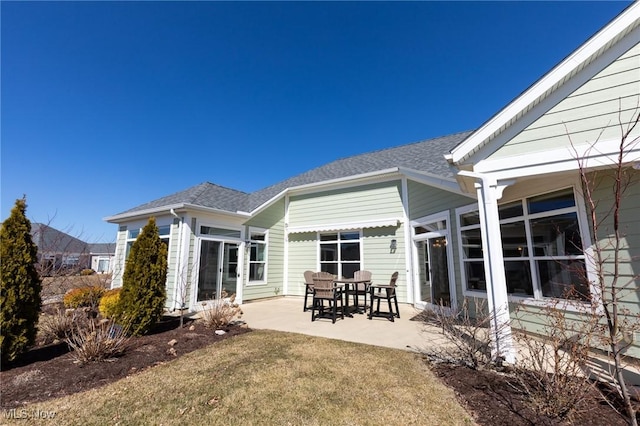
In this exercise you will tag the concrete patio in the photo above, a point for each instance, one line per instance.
(285, 314)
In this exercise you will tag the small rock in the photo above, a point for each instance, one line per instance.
(220, 332)
(172, 342)
(172, 351)
(193, 327)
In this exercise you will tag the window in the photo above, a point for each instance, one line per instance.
(221, 232)
(258, 256)
(541, 245)
(132, 235)
(340, 253)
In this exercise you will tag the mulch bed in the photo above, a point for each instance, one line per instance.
(492, 398)
(49, 371)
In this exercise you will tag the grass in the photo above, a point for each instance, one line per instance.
(271, 378)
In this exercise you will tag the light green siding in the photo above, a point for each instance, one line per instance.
(351, 205)
(379, 259)
(271, 219)
(303, 255)
(367, 202)
(629, 254)
(425, 200)
(591, 113)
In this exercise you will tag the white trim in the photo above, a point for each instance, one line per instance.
(555, 80)
(434, 181)
(407, 242)
(285, 284)
(119, 218)
(265, 280)
(448, 235)
(343, 226)
(557, 160)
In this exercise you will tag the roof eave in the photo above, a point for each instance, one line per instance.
(124, 217)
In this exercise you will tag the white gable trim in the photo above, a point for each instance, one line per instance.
(558, 160)
(343, 226)
(556, 81)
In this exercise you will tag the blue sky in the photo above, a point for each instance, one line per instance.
(108, 105)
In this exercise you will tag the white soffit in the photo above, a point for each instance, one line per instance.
(379, 223)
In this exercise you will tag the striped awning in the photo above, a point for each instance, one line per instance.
(343, 226)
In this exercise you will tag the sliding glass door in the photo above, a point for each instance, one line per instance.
(218, 269)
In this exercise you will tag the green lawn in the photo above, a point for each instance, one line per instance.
(271, 378)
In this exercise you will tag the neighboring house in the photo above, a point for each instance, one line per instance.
(492, 213)
(61, 252)
(102, 257)
(57, 250)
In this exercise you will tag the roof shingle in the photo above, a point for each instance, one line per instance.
(425, 156)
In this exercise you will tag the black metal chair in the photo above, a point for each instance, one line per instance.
(325, 289)
(388, 293)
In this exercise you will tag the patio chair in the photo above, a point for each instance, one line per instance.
(360, 289)
(324, 289)
(308, 284)
(388, 293)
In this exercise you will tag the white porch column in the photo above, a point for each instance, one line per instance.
(489, 192)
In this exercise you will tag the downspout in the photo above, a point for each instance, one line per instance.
(178, 274)
(489, 191)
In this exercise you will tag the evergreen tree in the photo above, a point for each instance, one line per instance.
(143, 293)
(20, 286)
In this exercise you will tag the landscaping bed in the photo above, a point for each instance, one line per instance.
(49, 371)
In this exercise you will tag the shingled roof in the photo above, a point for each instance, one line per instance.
(425, 156)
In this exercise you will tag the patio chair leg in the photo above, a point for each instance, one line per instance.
(391, 314)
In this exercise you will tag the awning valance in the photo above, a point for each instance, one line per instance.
(343, 226)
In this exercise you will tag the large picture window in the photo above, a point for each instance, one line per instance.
(340, 253)
(541, 245)
(258, 257)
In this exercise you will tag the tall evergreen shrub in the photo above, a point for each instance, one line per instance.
(20, 288)
(143, 293)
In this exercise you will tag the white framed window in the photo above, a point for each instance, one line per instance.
(132, 235)
(258, 255)
(340, 253)
(541, 243)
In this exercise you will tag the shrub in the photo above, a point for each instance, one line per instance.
(83, 297)
(87, 272)
(467, 334)
(143, 293)
(57, 326)
(220, 312)
(553, 368)
(20, 284)
(109, 303)
(97, 341)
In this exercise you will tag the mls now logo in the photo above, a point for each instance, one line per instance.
(23, 413)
